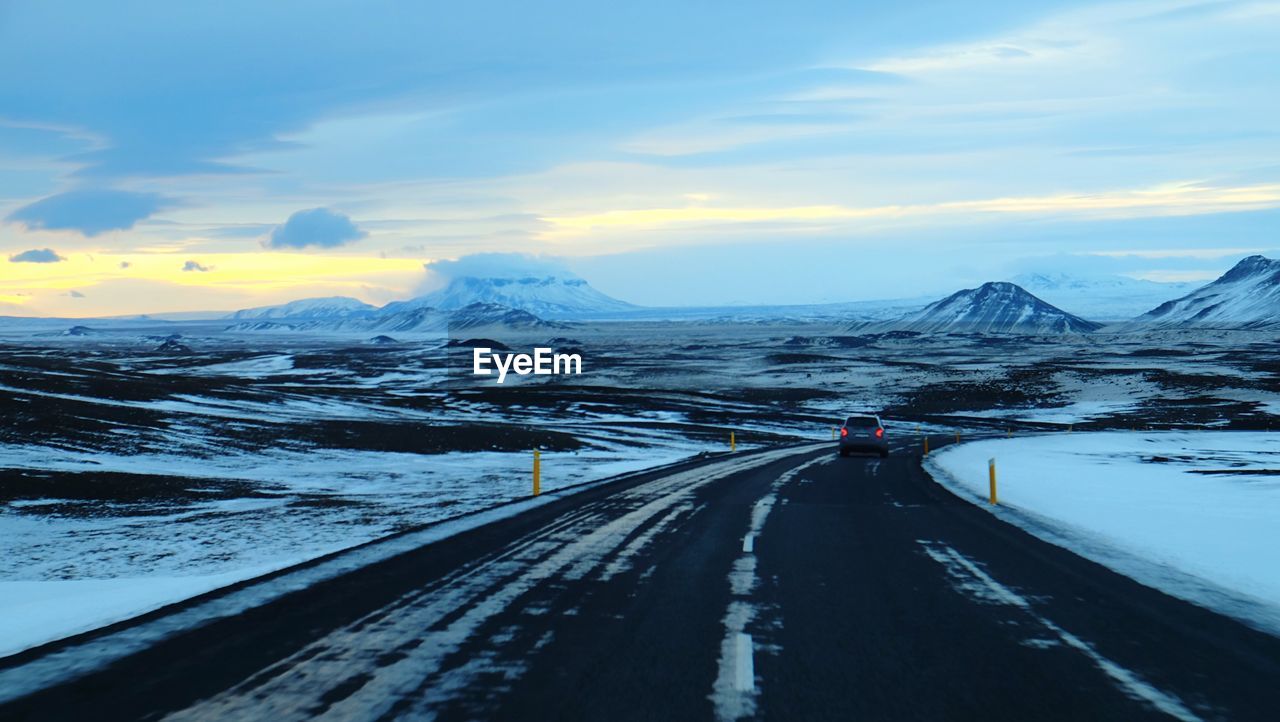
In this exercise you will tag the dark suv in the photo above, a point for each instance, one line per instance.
(863, 433)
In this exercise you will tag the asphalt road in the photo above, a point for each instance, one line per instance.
(785, 584)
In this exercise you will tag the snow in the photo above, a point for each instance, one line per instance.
(546, 296)
(1101, 298)
(1247, 295)
(1073, 413)
(997, 307)
(579, 548)
(332, 307)
(142, 562)
(1134, 502)
(33, 612)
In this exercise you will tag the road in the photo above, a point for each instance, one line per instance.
(778, 584)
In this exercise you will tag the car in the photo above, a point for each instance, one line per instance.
(863, 433)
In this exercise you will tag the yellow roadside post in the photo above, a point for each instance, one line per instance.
(957, 436)
(833, 433)
(991, 473)
(537, 472)
(926, 445)
(732, 443)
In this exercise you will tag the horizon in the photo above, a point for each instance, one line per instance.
(180, 159)
(224, 314)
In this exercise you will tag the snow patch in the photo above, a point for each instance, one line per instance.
(1142, 504)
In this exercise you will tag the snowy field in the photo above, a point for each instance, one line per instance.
(134, 474)
(1193, 513)
(131, 479)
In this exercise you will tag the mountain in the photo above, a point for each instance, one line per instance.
(1103, 298)
(547, 296)
(477, 315)
(321, 314)
(308, 308)
(401, 318)
(996, 307)
(1247, 296)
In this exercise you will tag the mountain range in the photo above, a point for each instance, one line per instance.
(1247, 296)
(340, 314)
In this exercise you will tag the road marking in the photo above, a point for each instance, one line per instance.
(429, 625)
(972, 580)
(745, 680)
(734, 691)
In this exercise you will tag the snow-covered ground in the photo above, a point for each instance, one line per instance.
(1193, 513)
(62, 574)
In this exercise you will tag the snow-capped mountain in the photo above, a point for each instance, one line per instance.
(996, 307)
(1102, 298)
(546, 296)
(332, 307)
(1247, 296)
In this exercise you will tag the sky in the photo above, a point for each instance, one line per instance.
(162, 157)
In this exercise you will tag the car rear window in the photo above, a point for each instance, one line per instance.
(861, 421)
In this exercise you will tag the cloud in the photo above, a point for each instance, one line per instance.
(1169, 199)
(89, 212)
(195, 266)
(37, 255)
(500, 265)
(317, 227)
(233, 86)
(1161, 253)
(75, 294)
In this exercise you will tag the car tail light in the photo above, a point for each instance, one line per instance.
(879, 433)
(843, 432)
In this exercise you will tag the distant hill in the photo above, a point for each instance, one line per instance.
(1247, 296)
(995, 307)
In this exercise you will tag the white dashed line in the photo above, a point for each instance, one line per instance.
(745, 679)
(734, 691)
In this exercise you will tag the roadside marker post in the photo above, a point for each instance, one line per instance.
(833, 433)
(926, 446)
(733, 444)
(957, 436)
(991, 474)
(537, 472)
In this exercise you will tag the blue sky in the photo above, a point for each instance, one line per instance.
(703, 153)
